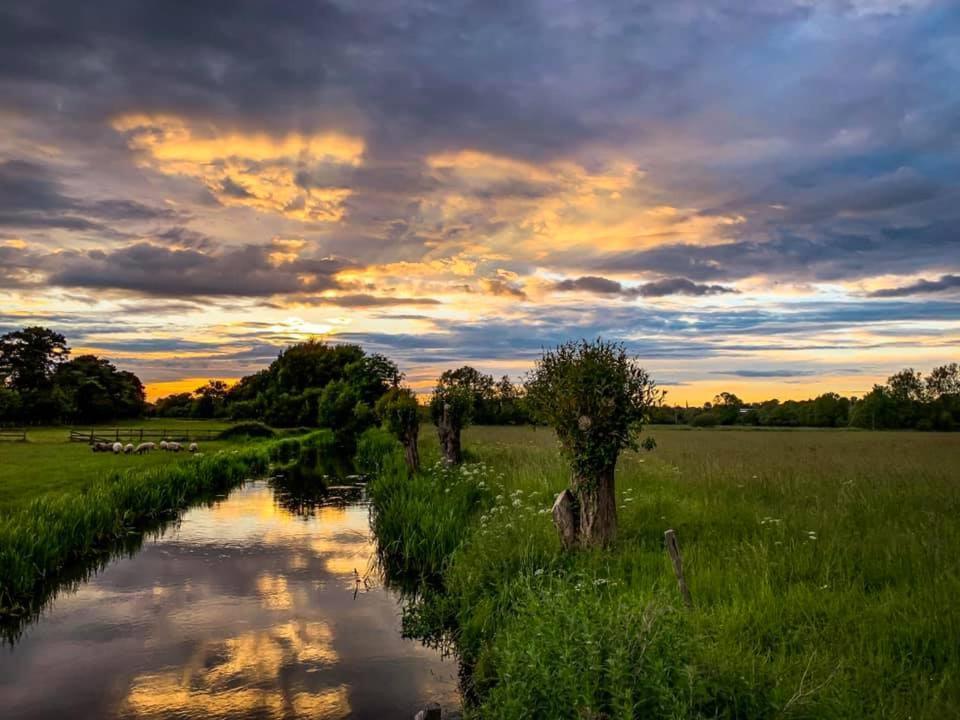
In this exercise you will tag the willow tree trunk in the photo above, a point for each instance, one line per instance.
(597, 507)
(410, 450)
(448, 430)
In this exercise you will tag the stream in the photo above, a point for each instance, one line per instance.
(262, 604)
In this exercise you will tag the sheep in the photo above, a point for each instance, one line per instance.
(174, 446)
(127, 449)
(101, 447)
(163, 444)
(117, 448)
(144, 448)
(194, 447)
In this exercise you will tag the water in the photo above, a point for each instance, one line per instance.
(263, 605)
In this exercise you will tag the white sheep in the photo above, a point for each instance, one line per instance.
(174, 446)
(117, 448)
(144, 448)
(194, 447)
(127, 449)
(163, 444)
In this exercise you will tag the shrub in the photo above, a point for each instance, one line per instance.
(247, 430)
(704, 420)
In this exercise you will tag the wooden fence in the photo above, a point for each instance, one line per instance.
(13, 434)
(139, 435)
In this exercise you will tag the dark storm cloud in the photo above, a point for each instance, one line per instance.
(828, 256)
(657, 288)
(661, 333)
(185, 237)
(765, 373)
(32, 197)
(156, 270)
(590, 283)
(827, 133)
(680, 286)
(947, 283)
(360, 300)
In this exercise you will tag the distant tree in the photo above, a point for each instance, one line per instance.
(942, 381)
(595, 396)
(509, 404)
(93, 390)
(876, 411)
(210, 399)
(451, 408)
(726, 408)
(399, 412)
(177, 405)
(829, 410)
(29, 357)
(907, 385)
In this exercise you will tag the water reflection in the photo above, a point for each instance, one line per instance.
(247, 608)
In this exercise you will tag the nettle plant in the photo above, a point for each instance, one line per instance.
(398, 410)
(595, 396)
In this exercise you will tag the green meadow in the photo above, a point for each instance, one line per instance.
(48, 463)
(822, 566)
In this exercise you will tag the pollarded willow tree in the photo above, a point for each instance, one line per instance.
(398, 410)
(451, 408)
(595, 396)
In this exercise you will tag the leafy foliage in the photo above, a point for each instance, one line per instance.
(595, 396)
(40, 383)
(310, 384)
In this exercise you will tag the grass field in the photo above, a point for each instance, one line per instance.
(47, 463)
(822, 564)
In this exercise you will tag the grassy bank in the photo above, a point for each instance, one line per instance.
(48, 463)
(45, 536)
(822, 566)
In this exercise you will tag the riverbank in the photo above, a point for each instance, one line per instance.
(54, 531)
(822, 569)
(48, 463)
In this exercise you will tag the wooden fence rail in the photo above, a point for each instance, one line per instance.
(140, 435)
(14, 435)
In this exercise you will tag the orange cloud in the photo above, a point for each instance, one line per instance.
(246, 169)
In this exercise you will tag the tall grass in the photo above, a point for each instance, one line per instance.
(52, 532)
(822, 565)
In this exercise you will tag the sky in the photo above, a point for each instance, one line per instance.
(760, 197)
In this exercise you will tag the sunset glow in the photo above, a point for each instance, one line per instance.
(448, 186)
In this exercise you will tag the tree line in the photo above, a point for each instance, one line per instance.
(907, 401)
(41, 384)
(314, 383)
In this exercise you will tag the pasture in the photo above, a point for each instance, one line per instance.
(822, 565)
(48, 463)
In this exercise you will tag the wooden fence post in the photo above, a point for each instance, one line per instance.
(673, 550)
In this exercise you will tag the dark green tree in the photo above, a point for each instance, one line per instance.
(29, 357)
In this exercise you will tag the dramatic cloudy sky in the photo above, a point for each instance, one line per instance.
(755, 195)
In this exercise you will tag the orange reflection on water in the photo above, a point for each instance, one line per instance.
(242, 675)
